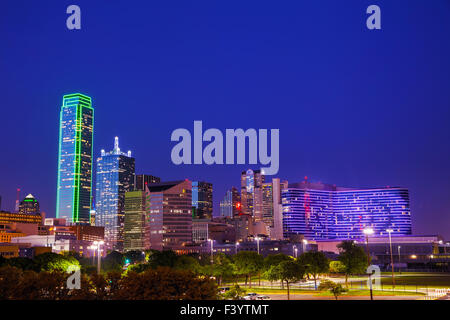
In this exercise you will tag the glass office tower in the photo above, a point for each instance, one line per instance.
(202, 203)
(115, 176)
(320, 211)
(76, 128)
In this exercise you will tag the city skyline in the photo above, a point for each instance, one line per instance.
(354, 107)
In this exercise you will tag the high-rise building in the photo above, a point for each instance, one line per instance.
(276, 230)
(76, 127)
(229, 206)
(319, 211)
(251, 193)
(202, 203)
(136, 213)
(29, 205)
(170, 214)
(115, 176)
(141, 180)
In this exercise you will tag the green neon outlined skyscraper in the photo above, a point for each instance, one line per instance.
(76, 128)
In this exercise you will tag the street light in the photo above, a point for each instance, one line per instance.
(389, 231)
(295, 251)
(257, 242)
(367, 232)
(98, 244)
(237, 243)
(212, 250)
(93, 248)
(305, 242)
(399, 259)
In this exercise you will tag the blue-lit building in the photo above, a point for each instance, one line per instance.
(202, 203)
(229, 206)
(115, 176)
(319, 211)
(74, 185)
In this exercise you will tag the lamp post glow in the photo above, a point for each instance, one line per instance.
(93, 248)
(237, 244)
(399, 259)
(389, 231)
(212, 250)
(295, 251)
(98, 244)
(257, 242)
(367, 232)
(305, 242)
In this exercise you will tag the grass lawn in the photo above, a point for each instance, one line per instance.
(431, 280)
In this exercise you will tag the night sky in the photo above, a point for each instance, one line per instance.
(355, 108)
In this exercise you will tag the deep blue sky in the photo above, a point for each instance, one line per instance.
(355, 108)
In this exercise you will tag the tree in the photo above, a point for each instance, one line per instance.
(275, 259)
(353, 258)
(23, 263)
(314, 263)
(235, 293)
(288, 272)
(162, 258)
(222, 267)
(187, 263)
(165, 283)
(135, 256)
(248, 263)
(9, 277)
(335, 288)
(50, 261)
(113, 262)
(337, 267)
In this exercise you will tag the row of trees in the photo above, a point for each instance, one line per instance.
(244, 265)
(153, 284)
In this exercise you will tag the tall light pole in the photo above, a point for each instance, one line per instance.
(367, 232)
(257, 242)
(98, 244)
(305, 242)
(389, 231)
(295, 251)
(93, 248)
(237, 244)
(399, 259)
(212, 250)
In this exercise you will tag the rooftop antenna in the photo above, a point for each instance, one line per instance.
(16, 208)
(116, 145)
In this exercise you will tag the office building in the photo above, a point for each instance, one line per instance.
(29, 205)
(115, 176)
(320, 211)
(230, 205)
(202, 203)
(136, 213)
(10, 217)
(251, 193)
(141, 180)
(76, 128)
(170, 214)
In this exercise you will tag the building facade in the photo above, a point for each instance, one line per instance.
(320, 211)
(29, 205)
(230, 205)
(141, 180)
(170, 215)
(136, 214)
(202, 200)
(76, 128)
(115, 176)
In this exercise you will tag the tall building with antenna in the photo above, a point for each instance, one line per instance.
(76, 129)
(115, 176)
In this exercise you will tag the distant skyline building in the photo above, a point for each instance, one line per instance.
(115, 176)
(319, 211)
(202, 199)
(229, 204)
(136, 215)
(74, 185)
(141, 180)
(170, 214)
(29, 205)
(252, 200)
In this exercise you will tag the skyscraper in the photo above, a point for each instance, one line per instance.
(76, 127)
(320, 211)
(141, 180)
(29, 205)
(202, 203)
(136, 213)
(170, 215)
(229, 204)
(115, 176)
